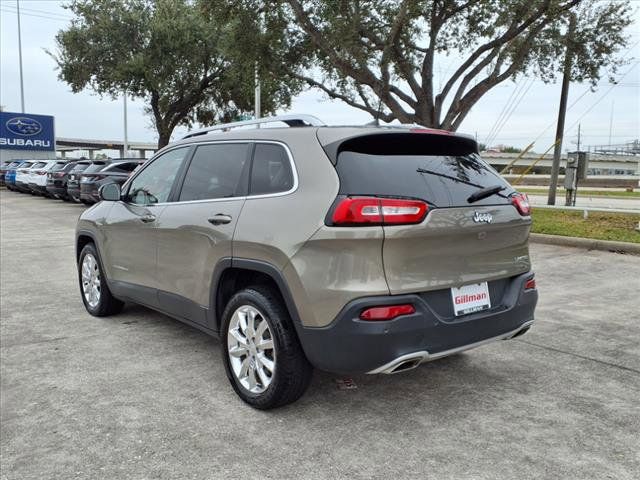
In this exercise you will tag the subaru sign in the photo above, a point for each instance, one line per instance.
(24, 131)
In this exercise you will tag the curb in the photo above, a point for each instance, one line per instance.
(587, 243)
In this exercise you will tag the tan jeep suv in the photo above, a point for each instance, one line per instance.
(348, 249)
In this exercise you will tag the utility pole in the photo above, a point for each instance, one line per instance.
(611, 122)
(579, 125)
(256, 107)
(566, 77)
(20, 57)
(125, 147)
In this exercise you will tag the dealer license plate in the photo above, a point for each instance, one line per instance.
(470, 298)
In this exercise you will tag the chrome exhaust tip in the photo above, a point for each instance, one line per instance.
(402, 364)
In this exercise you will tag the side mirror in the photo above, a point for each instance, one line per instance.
(109, 192)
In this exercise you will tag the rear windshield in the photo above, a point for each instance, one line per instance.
(95, 167)
(58, 166)
(80, 167)
(39, 165)
(441, 179)
(26, 164)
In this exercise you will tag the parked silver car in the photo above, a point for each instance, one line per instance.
(348, 249)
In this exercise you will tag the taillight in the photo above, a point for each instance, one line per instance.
(378, 211)
(521, 202)
(530, 284)
(388, 312)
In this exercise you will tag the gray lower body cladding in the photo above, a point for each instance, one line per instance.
(350, 345)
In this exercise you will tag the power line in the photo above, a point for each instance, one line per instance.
(3, 9)
(47, 12)
(526, 86)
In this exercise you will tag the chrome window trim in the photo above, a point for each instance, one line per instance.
(294, 171)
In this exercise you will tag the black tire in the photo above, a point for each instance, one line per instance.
(107, 304)
(293, 371)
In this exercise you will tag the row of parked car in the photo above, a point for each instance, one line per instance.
(76, 180)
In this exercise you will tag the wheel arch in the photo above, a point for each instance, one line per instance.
(83, 237)
(231, 275)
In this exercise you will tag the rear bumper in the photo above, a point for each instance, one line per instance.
(34, 187)
(349, 345)
(73, 192)
(89, 194)
(57, 191)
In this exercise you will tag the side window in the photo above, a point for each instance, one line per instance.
(271, 170)
(153, 184)
(216, 172)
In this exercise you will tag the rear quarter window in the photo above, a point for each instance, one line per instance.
(271, 170)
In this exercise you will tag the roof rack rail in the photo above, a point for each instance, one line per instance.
(290, 120)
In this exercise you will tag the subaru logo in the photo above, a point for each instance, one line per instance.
(480, 217)
(24, 126)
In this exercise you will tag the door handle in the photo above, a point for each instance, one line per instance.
(219, 219)
(148, 218)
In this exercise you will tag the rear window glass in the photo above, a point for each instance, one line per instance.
(124, 167)
(271, 170)
(58, 166)
(95, 167)
(80, 167)
(215, 172)
(39, 165)
(26, 165)
(427, 173)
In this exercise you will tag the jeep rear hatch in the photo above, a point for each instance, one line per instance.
(449, 219)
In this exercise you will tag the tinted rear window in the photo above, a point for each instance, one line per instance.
(39, 165)
(58, 166)
(80, 167)
(95, 167)
(424, 171)
(124, 167)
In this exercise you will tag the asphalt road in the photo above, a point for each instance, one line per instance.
(142, 396)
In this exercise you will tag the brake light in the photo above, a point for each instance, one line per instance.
(531, 284)
(521, 202)
(388, 312)
(378, 211)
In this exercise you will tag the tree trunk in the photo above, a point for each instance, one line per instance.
(164, 135)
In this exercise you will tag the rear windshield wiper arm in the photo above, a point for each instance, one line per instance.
(484, 193)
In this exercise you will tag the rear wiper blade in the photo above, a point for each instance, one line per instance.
(484, 193)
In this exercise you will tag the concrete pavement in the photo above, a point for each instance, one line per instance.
(141, 396)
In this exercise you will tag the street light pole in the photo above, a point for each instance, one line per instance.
(20, 57)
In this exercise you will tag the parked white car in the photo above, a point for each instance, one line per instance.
(23, 175)
(37, 180)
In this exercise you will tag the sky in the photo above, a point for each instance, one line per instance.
(609, 111)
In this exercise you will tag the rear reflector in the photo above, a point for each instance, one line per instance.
(388, 312)
(372, 210)
(521, 202)
(531, 284)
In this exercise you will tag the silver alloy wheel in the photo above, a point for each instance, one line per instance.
(91, 280)
(251, 348)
